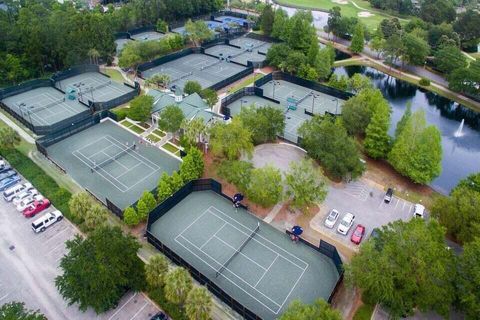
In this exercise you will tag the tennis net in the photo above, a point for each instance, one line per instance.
(219, 271)
(303, 98)
(100, 86)
(115, 157)
(182, 77)
(211, 65)
(40, 108)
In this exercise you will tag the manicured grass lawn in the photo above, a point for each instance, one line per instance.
(171, 148)
(159, 133)
(132, 126)
(364, 312)
(348, 10)
(126, 123)
(244, 83)
(115, 75)
(153, 137)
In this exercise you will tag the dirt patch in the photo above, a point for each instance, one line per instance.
(365, 14)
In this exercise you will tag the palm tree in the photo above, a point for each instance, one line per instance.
(95, 217)
(198, 304)
(155, 271)
(178, 283)
(9, 138)
(94, 55)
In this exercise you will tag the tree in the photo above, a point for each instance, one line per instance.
(94, 55)
(306, 184)
(359, 82)
(210, 96)
(155, 271)
(357, 111)
(95, 217)
(266, 20)
(176, 181)
(17, 311)
(319, 310)
(394, 48)
(294, 60)
(192, 86)
(198, 31)
(377, 44)
(459, 213)
(469, 279)
(79, 205)
(467, 27)
(312, 54)
(149, 200)
(377, 141)
(236, 172)
(334, 17)
(324, 65)
(231, 140)
(449, 58)
(301, 31)
(265, 187)
(437, 11)
(417, 152)
(390, 27)
(277, 54)
(97, 270)
(9, 138)
(164, 187)
(162, 26)
(171, 118)
(193, 130)
(327, 141)
(401, 268)
(198, 305)
(403, 121)
(130, 217)
(141, 108)
(178, 283)
(192, 166)
(466, 79)
(280, 25)
(442, 34)
(358, 39)
(264, 123)
(159, 80)
(416, 49)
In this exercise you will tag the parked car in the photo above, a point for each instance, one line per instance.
(388, 195)
(9, 182)
(11, 192)
(46, 221)
(159, 316)
(418, 211)
(23, 195)
(346, 223)
(5, 167)
(36, 207)
(6, 174)
(358, 234)
(332, 218)
(23, 204)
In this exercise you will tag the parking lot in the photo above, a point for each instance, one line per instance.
(29, 265)
(365, 201)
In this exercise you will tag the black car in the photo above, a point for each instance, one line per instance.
(160, 316)
(388, 195)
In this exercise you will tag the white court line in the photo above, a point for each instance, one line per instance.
(1, 298)
(266, 271)
(241, 253)
(214, 235)
(141, 309)
(131, 169)
(114, 160)
(226, 269)
(260, 236)
(293, 287)
(154, 166)
(113, 315)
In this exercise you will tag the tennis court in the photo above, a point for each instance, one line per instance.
(256, 264)
(93, 86)
(121, 43)
(44, 106)
(205, 69)
(112, 163)
(231, 20)
(258, 45)
(307, 99)
(215, 26)
(235, 54)
(147, 36)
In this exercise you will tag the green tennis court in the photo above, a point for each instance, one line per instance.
(260, 268)
(112, 163)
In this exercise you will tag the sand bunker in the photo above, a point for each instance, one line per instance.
(340, 1)
(365, 14)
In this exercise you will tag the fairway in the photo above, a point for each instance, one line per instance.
(348, 9)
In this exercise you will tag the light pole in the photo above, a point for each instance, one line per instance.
(275, 83)
(315, 96)
(241, 103)
(336, 107)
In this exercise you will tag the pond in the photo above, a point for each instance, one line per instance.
(320, 18)
(460, 143)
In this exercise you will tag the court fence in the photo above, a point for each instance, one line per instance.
(107, 105)
(75, 70)
(166, 58)
(213, 185)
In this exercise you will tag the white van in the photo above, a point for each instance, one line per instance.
(10, 193)
(24, 194)
(47, 220)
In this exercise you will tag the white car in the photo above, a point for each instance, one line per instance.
(332, 219)
(46, 221)
(418, 211)
(346, 223)
(25, 194)
(28, 201)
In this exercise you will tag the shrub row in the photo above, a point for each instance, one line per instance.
(173, 310)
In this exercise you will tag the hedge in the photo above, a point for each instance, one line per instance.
(173, 310)
(58, 196)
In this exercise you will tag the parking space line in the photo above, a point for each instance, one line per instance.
(396, 205)
(113, 315)
(141, 309)
(56, 235)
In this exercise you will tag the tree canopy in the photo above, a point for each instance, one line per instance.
(192, 166)
(171, 118)
(198, 31)
(97, 270)
(265, 186)
(319, 310)
(192, 86)
(358, 39)
(264, 123)
(403, 266)
(231, 140)
(469, 279)
(17, 311)
(141, 108)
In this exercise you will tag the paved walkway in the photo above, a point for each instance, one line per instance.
(17, 128)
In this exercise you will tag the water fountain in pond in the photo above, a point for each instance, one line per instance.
(459, 131)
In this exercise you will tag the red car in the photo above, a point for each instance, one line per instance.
(358, 234)
(36, 207)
